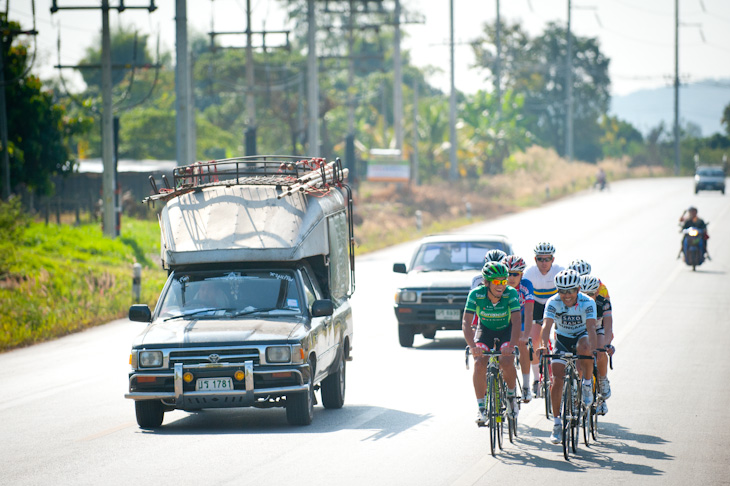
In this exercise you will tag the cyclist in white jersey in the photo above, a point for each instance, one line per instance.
(541, 278)
(574, 316)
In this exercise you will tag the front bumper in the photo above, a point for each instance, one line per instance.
(181, 399)
(422, 315)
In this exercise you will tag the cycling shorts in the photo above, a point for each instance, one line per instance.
(538, 312)
(486, 337)
(564, 344)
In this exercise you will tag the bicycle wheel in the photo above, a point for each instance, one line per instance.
(588, 414)
(548, 400)
(594, 421)
(491, 412)
(501, 408)
(577, 404)
(567, 410)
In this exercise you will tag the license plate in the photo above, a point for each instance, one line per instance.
(448, 314)
(214, 384)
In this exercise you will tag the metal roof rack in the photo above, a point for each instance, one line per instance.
(291, 173)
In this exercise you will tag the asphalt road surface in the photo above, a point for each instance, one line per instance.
(409, 413)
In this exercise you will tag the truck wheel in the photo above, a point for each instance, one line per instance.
(333, 387)
(405, 336)
(300, 406)
(149, 413)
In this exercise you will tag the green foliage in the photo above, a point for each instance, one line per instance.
(64, 279)
(726, 119)
(13, 223)
(38, 129)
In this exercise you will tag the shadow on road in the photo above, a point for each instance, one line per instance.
(614, 450)
(385, 423)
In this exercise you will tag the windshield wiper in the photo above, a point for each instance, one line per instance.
(253, 311)
(195, 312)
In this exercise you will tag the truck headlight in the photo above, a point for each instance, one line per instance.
(407, 296)
(278, 354)
(150, 359)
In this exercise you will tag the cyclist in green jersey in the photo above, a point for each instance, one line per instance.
(498, 307)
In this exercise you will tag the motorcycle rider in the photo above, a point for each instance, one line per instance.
(689, 219)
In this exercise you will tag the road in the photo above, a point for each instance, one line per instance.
(409, 413)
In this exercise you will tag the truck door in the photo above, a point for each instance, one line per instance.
(321, 326)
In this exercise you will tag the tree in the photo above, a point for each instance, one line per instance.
(536, 69)
(38, 129)
(726, 119)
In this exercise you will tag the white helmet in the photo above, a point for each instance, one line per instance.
(567, 280)
(589, 284)
(580, 266)
(494, 256)
(544, 248)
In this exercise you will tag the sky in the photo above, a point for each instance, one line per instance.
(638, 36)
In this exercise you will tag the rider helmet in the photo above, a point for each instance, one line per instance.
(514, 263)
(494, 256)
(567, 280)
(544, 248)
(580, 266)
(589, 284)
(494, 271)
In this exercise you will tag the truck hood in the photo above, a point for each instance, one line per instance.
(432, 280)
(180, 332)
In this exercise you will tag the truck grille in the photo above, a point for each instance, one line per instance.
(206, 356)
(457, 297)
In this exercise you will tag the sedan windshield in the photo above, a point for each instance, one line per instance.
(231, 294)
(445, 256)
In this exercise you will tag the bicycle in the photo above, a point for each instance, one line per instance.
(598, 399)
(545, 383)
(496, 401)
(574, 410)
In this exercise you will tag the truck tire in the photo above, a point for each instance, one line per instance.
(300, 406)
(149, 413)
(405, 336)
(333, 387)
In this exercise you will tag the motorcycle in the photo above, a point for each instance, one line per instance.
(693, 246)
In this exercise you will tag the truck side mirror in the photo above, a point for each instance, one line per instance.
(140, 313)
(322, 308)
(399, 267)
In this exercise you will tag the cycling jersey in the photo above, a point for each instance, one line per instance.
(495, 317)
(543, 285)
(602, 290)
(570, 321)
(524, 291)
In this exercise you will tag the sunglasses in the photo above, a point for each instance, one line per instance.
(567, 291)
(515, 274)
(592, 294)
(499, 282)
(544, 259)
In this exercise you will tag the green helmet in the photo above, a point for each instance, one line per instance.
(494, 271)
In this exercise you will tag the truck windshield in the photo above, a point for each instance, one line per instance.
(453, 255)
(230, 294)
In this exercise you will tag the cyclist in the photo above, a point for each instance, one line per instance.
(498, 309)
(574, 316)
(584, 268)
(515, 266)
(541, 277)
(604, 334)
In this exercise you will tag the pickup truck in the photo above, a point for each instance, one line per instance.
(255, 311)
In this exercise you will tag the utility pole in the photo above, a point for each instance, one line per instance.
(397, 82)
(312, 82)
(414, 176)
(250, 82)
(498, 64)
(184, 119)
(109, 218)
(569, 93)
(453, 169)
(676, 87)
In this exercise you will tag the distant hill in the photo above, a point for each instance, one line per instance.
(700, 103)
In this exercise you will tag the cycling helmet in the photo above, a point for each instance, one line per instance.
(544, 248)
(515, 263)
(580, 266)
(494, 256)
(494, 270)
(567, 279)
(589, 284)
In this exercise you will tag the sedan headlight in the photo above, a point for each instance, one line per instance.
(150, 359)
(278, 354)
(407, 296)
